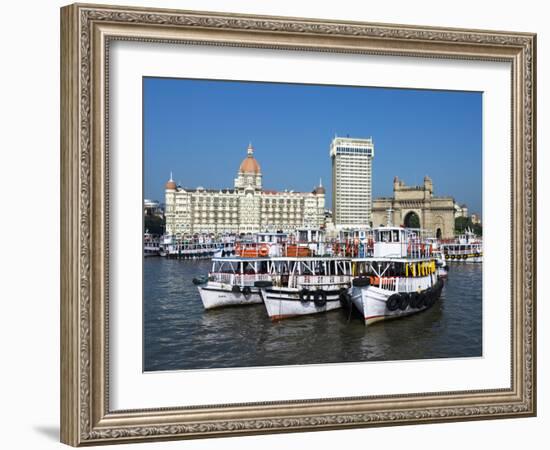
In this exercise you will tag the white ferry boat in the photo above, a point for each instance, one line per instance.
(466, 248)
(196, 247)
(151, 245)
(306, 285)
(398, 280)
(236, 281)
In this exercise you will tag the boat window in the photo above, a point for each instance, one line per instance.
(321, 268)
(395, 235)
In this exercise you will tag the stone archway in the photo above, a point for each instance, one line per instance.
(438, 226)
(434, 213)
(412, 220)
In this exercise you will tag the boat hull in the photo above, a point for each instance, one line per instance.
(286, 303)
(217, 296)
(372, 302)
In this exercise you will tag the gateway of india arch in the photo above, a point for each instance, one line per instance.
(414, 206)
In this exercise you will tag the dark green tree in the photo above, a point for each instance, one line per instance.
(477, 229)
(461, 223)
(154, 224)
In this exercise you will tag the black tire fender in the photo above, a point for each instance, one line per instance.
(320, 298)
(428, 297)
(304, 295)
(404, 302)
(393, 302)
(413, 300)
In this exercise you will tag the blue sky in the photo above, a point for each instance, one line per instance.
(200, 129)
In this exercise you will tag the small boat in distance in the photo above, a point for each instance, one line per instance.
(465, 248)
(151, 244)
(398, 280)
(197, 246)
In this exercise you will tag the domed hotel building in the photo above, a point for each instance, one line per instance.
(246, 208)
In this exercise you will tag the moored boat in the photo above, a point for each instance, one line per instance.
(465, 248)
(400, 278)
(236, 281)
(306, 285)
(151, 245)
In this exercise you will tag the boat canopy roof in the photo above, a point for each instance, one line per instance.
(394, 260)
(309, 258)
(279, 258)
(240, 259)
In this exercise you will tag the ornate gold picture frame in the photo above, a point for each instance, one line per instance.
(87, 32)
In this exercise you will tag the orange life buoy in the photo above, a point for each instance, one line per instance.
(374, 280)
(264, 250)
(238, 249)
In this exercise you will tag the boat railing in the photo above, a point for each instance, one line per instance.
(352, 249)
(418, 250)
(388, 283)
(220, 277)
(399, 284)
(475, 248)
(239, 279)
(249, 279)
(406, 284)
(318, 280)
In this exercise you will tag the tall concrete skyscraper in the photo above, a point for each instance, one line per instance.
(351, 181)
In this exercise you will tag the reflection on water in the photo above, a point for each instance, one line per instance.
(179, 334)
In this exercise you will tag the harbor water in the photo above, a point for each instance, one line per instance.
(179, 334)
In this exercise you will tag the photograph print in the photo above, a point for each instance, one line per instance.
(295, 224)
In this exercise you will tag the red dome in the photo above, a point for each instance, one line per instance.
(319, 190)
(171, 184)
(249, 164)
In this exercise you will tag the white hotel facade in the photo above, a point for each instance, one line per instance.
(246, 208)
(351, 181)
